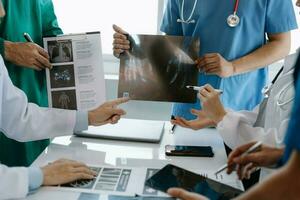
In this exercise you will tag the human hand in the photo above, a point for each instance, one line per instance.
(245, 165)
(211, 104)
(27, 54)
(214, 63)
(121, 43)
(65, 171)
(185, 195)
(201, 122)
(107, 113)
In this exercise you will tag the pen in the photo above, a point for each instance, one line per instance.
(27, 37)
(174, 125)
(252, 149)
(197, 88)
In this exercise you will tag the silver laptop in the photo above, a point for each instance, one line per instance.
(128, 130)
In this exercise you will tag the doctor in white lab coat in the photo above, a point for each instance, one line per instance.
(267, 122)
(25, 121)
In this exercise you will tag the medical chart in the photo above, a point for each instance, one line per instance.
(76, 81)
(158, 68)
(130, 181)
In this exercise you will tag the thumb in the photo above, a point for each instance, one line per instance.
(119, 30)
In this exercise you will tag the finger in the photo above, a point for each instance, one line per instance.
(117, 101)
(115, 119)
(204, 63)
(195, 112)
(209, 88)
(119, 36)
(121, 46)
(74, 163)
(117, 52)
(183, 194)
(119, 29)
(85, 170)
(44, 62)
(247, 170)
(243, 160)
(80, 176)
(179, 122)
(238, 151)
(211, 69)
(43, 52)
(120, 41)
(204, 92)
(37, 66)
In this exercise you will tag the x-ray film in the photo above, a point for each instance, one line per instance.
(158, 68)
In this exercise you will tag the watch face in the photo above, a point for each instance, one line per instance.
(233, 20)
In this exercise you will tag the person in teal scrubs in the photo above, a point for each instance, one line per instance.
(26, 63)
(233, 59)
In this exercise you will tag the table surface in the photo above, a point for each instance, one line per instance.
(101, 152)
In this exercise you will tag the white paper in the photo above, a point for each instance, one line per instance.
(76, 81)
(130, 181)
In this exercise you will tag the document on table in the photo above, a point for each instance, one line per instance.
(76, 81)
(130, 181)
(116, 181)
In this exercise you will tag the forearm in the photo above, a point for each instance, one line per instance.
(274, 50)
(282, 185)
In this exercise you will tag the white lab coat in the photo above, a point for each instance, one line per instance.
(238, 128)
(23, 121)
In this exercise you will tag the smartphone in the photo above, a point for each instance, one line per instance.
(194, 151)
(172, 176)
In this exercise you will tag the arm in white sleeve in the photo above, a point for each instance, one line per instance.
(14, 182)
(237, 128)
(23, 121)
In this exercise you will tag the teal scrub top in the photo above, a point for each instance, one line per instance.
(37, 18)
(257, 18)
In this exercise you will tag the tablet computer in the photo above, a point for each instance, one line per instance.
(172, 176)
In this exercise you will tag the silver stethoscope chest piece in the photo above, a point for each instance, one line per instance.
(233, 20)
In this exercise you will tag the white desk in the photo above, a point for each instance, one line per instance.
(96, 152)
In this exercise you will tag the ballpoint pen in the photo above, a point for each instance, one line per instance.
(252, 149)
(27, 37)
(198, 88)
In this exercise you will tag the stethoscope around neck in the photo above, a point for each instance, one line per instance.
(233, 20)
(267, 89)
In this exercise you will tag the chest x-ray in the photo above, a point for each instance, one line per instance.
(158, 68)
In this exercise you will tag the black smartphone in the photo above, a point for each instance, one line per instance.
(193, 151)
(172, 176)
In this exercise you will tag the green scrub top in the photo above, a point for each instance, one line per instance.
(37, 18)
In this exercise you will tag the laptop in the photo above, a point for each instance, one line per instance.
(128, 130)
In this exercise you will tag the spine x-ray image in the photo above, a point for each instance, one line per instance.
(158, 68)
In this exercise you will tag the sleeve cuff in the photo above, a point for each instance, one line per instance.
(2, 48)
(81, 121)
(35, 177)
